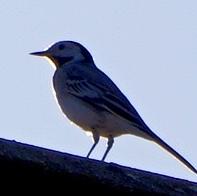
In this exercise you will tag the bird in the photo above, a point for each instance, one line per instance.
(91, 100)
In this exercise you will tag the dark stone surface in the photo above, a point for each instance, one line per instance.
(34, 167)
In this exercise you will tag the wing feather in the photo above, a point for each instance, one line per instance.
(102, 97)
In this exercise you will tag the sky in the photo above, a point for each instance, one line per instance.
(148, 48)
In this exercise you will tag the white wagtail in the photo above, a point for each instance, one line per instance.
(90, 99)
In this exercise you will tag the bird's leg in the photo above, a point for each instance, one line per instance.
(96, 137)
(109, 146)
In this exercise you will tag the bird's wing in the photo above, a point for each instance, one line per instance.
(104, 97)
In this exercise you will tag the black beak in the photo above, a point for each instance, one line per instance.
(42, 53)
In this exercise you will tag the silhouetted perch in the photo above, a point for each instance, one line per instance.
(33, 166)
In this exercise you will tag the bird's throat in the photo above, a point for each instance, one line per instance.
(59, 61)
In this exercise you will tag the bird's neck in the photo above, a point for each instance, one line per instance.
(60, 61)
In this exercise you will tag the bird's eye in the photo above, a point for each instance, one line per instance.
(61, 47)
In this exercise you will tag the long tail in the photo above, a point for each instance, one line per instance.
(163, 144)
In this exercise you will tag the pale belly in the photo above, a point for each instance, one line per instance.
(90, 118)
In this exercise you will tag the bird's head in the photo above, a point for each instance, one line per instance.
(64, 52)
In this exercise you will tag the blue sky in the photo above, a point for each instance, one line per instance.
(148, 48)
